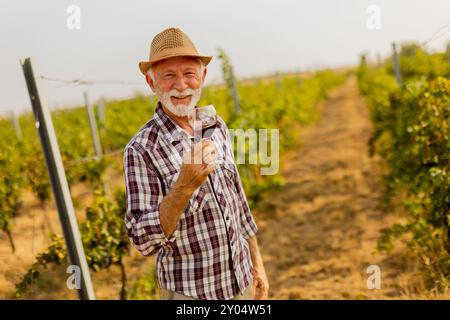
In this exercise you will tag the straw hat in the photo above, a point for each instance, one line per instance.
(171, 42)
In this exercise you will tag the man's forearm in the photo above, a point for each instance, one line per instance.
(172, 207)
(260, 281)
(254, 252)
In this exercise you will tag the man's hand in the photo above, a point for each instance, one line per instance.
(198, 163)
(260, 283)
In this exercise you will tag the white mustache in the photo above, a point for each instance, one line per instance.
(179, 110)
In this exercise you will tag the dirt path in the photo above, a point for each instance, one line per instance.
(317, 235)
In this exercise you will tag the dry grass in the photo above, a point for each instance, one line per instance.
(317, 235)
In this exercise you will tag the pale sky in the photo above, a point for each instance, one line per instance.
(260, 37)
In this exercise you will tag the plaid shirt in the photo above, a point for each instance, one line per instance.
(207, 256)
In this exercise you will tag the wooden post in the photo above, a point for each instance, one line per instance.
(95, 135)
(16, 125)
(228, 76)
(279, 80)
(398, 75)
(379, 64)
(101, 106)
(93, 126)
(448, 52)
(234, 91)
(59, 183)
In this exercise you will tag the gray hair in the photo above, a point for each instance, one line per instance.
(152, 74)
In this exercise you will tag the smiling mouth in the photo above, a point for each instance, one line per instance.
(183, 97)
(180, 98)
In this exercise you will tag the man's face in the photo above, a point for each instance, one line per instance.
(177, 83)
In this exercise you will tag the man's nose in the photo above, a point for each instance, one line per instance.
(180, 84)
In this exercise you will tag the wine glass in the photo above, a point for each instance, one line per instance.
(203, 119)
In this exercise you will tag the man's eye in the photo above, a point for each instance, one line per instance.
(168, 76)
(190, 74)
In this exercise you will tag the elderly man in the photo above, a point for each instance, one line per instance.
(192, 214)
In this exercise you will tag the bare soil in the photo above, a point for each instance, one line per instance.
(317, 234)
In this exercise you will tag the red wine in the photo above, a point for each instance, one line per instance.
(207, 131)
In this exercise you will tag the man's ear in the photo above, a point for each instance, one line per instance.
(150, 82)
(204, 74)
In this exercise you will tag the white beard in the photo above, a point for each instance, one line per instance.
(180, 110)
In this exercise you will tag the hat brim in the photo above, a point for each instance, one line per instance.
(145, 65)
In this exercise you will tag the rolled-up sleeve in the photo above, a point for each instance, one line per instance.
(143, 198)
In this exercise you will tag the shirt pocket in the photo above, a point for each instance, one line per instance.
(228, 184)
(198, 199)
(170, 178)
(229, 174)
(191, 215)
(191, 223)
